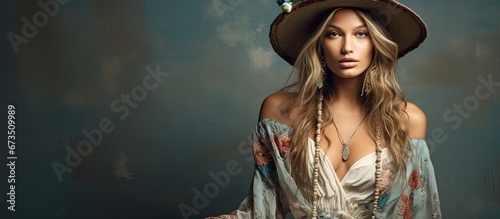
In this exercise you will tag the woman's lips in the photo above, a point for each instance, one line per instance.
(348, 62)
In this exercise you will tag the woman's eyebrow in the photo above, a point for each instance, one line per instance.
(333, 26)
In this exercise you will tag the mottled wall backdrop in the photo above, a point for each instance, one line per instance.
(143, 109)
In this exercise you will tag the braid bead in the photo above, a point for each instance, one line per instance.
(378, 173)
(316, 154)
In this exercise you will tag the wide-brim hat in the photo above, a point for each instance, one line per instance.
(291, 30)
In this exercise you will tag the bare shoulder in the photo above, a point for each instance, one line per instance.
(417, 121)
(272, 107)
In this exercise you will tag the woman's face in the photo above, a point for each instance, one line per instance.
(347, 46)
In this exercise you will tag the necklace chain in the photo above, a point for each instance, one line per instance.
(378, 151)
(345, 150)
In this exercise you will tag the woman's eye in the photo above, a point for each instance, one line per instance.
(333, 34)
(362, 34)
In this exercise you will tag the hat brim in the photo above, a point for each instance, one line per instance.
(290, 31)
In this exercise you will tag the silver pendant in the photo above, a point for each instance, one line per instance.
(345, 152)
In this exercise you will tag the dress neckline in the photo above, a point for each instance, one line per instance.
(353, 166)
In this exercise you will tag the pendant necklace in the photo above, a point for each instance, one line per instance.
(345, 150)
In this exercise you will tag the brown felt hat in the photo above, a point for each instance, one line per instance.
(290, 30)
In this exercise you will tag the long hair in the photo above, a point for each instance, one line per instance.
(385, 101)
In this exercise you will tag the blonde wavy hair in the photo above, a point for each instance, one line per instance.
(385, 101)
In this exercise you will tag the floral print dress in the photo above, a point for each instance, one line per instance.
(411, 193)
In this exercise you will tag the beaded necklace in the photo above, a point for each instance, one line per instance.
(378, 151)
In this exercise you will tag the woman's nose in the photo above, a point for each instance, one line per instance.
(347, 47)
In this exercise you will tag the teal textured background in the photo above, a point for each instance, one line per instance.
(167, 143)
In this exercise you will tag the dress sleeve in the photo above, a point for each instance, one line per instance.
(424, 196)
(265, 198)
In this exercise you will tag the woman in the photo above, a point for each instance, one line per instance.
(342, 141)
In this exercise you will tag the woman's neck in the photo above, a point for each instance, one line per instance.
(347, 94)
